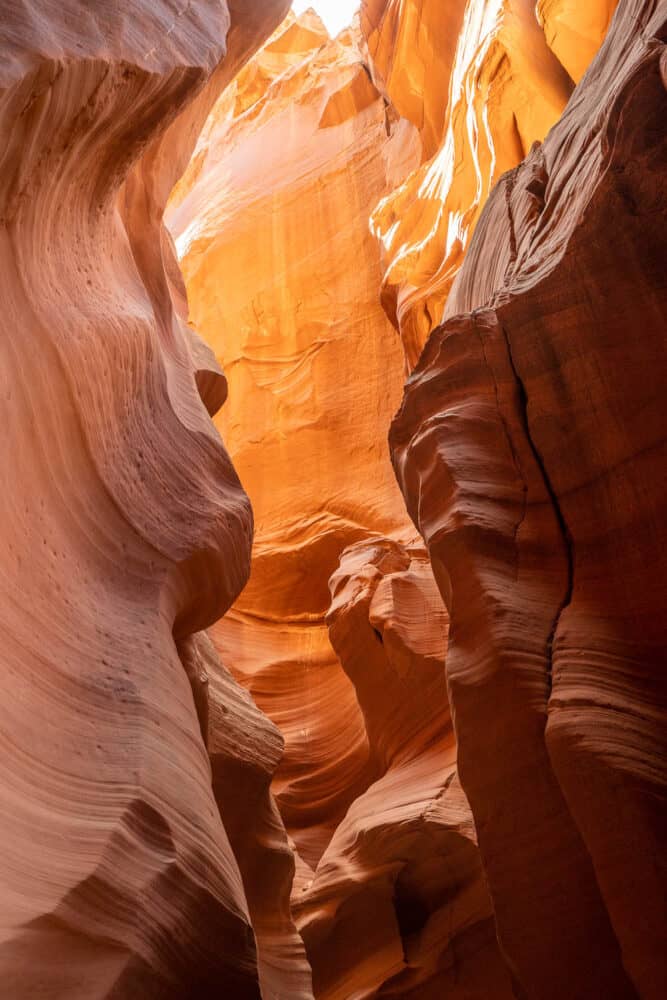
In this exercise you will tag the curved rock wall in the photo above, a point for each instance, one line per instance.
(397, 906)
(271, 222)
(507, 81)
(529, 448)
(117, 876)
(481, 820)
(245, 749)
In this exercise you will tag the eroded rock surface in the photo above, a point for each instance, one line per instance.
(504, 72)
(271, 222)
(529, 448)
(154, 822)
(245, 749)
(397, 906)
(124, 528)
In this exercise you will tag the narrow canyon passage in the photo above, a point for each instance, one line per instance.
(333, 582)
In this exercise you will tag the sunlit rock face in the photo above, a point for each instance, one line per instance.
(411, 47)
(123, 526)
(398, 906)
(504, 72)
(530, 449)
(271, 222)
(428, 771)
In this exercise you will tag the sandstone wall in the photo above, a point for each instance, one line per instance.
(504, 71)
(117, 875)
(282, 271)
(530, 448)
(458, 787)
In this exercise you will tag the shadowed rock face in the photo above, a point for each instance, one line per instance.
(530, 449)
(397, 906)
(508, 847)
(245, 749)
(123, 527)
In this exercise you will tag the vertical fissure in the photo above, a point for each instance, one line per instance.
(568, 544)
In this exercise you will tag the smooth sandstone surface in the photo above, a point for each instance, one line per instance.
(530, 449)
(458, 787)
(397, 906)
(282, 272)
(411, 47)
(245, 749)
(117, 876)
(502, 84)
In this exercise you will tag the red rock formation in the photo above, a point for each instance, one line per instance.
(505, 70)
(143, 852)
(529, 448)
(245, 749)
(271, 212)
(125, 529)
(397, 906)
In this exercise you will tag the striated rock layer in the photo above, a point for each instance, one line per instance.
(282, 272)
(510, 847)
(245, 749)
(125, 529)
(397, 906)
(482, 80)
(530, 449)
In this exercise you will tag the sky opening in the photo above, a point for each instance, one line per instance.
(336, 14)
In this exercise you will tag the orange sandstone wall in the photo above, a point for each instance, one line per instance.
(123, 527)
(509, 69)
(530, 448)
(409, 120)
(458, 785)
(282, 271)
(398, 905)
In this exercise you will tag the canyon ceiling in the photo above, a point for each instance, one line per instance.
(333, 585)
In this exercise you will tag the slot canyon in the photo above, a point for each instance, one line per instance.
(333, 539)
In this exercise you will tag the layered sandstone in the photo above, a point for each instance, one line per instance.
(125, 529)
(504, 72)
(397, 906)
(530, 449)
(154, 822)
(245, 749)
(271, 222)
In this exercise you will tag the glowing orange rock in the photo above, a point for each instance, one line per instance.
(125, 529)
(506, 88)
(271, 222)
(411, 47)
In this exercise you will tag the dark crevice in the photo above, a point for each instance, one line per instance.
(412, 913)
(510, 442)
(517, 988)
(195, 670)
(509, 190)
(564, 530)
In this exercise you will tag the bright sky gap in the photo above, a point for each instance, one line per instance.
(336, 14)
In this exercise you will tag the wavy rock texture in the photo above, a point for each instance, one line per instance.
(125, 529)
(397, 906)
(530, 449)
(271, 222)
(245, 749)
(505, 71)
(144, 854)
(411, 47)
